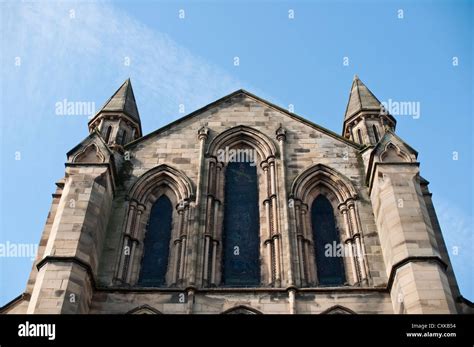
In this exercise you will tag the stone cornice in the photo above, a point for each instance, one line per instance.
(74, 260)
(413, 259)
(344, 289)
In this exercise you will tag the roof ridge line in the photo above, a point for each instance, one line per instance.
(256, 98)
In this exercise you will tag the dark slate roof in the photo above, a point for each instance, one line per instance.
(360, 99)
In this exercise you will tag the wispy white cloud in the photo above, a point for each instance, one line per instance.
(77, 51)
(69, 47)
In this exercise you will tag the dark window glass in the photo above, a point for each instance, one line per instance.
(124, 137)
(156, 244)
(376, 133)
(107, 134)
(330, 266)
(241, 265)
(359, 136)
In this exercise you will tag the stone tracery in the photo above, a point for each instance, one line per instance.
(242, 137)
(161, 180)
(316, 180)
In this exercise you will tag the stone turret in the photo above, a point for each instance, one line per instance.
(365, 120)
(118, 121)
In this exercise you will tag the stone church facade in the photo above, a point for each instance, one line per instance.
(242, 207)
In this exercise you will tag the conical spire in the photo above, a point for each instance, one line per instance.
(118, 120)
(360, 99)
(365, 120)
(123, 100)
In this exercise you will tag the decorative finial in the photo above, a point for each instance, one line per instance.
(203, 132)
(281, 133)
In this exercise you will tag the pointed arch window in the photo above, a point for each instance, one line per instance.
(108, 133)
(241, 265)
(124, 138)
(156, 245)
(359, 136)
(376, 133)
(121, 137)
(329, 263)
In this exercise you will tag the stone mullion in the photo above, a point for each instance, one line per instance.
(197, 210)
(211, 189)
(349, 246)
(177, 247)
(303, 252)
(215, 223)
(270, 225)
(354, 250)
(124, 258)
(214, 241)
(176, 263)
(306, 244)
(301, 260)
(287, 239)
(366, 131)
(310, 269)
(296, 226)
(349, 242)
(360, 258)
(202, 137)
(182, 263)
(351, 135)
(312, 266)
(275, 225)
(268, 242)
(272, 177)
(364, 265)
(184, 238)
(101, 125)
(214, 262)
(218, 221)
(357, 239)
(134, 239)
(300, 241)
(207, 241)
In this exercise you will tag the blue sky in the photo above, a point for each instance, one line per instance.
(82, 51)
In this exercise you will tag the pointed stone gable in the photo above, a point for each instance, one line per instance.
(93, 140)
(245, 98)
(360, 99)
(123, 100)
(392, 138)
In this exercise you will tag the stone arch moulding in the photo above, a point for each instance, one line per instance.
(393, 153)
(241, 309)
(270, 231)
(162, 174)
(144, 309)
(322, 174)
(322, 178)
(90, 154)
(243, 134)
(338, 309)
(162, 179)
